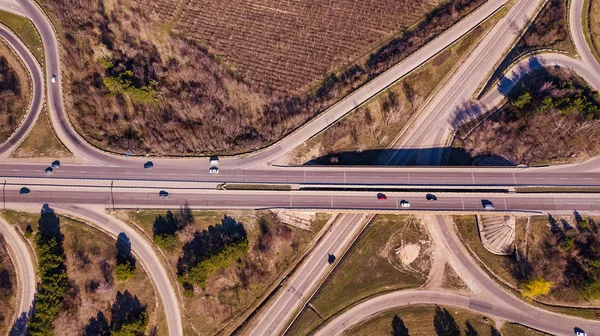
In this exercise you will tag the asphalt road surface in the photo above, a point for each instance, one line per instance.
(23, 260)
(435, 122)
(298, 289)
(325, 200)
(34, 173)
(37, 82)
(495, 302)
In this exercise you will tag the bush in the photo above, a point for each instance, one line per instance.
(536, 287)
(166, 242)
(124, 271)
(188, 289)
(221, 260)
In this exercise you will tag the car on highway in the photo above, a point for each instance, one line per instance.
(579, 332)
(48, 170)
(214, 160)
(53, 79)
(381, 197)
(56, 164)
(431, 197)
(405, 204)
(148, 165)
(213, 170)
(163, 194)
(488, 205)
(24, 191)
(330, 258)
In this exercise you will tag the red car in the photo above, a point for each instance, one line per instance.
(381, 197)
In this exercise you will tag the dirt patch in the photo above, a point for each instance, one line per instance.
(408, 253)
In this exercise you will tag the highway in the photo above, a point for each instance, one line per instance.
(426, 138)
(23, 260)
(321, 200)
(298, 289)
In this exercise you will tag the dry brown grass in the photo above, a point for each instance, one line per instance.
(232, 293)
(8, 289)
(539, 133)
(91, 256)
(195, 104)
(348, 139)
(15, 91)
(41, 142)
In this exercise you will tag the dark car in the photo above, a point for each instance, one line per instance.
(163, 194)
(24, 191)
(431, 197)
(148, 165)
(48, 170)
(56, 164)
(488, 205)
(381, 197)
(330, 259)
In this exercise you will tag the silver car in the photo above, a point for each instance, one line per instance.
(213, 170)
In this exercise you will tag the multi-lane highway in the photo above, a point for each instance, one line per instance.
(310, 273)
(324, 200)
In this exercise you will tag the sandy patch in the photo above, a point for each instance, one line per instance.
(408, 253)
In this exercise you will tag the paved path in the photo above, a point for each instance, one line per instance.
(23, 260)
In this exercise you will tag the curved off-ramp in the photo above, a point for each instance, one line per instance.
(489, 298)
(88, 153)
(37, 92)
(23, 260)
(139, 245)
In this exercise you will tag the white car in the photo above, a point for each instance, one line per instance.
(214, 161)
(405, 204)
(213, 170)
(53, 79)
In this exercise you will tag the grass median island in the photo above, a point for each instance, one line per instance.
(41, 142)
(419, 320)
(360, 136)
(392, 253)
(8, 289)
(15, 90)
(556, 264)
(91, 299)
(591, 28)
(551, 116)
(26, 31)
(225, 261)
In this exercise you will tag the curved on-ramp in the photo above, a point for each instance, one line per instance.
(139, 245)
(23, 261)
(88, 153)
(37, 91)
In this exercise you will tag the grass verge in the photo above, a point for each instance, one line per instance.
(373, 265)
(359, 136)
(92, 288)
(284, 187)
(25, 30)
(233, 292)
(41, 142)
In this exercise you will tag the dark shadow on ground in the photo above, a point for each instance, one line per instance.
(458, 157)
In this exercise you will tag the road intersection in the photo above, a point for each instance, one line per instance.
(97, 165)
